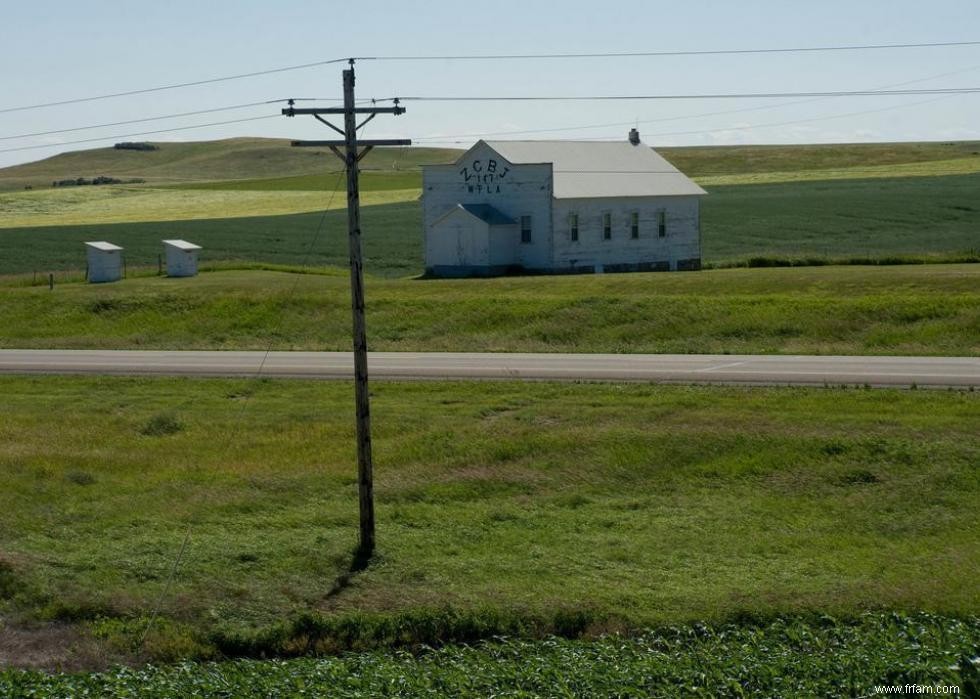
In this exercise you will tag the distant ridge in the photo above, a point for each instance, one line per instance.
(203, 161)
(264, 158)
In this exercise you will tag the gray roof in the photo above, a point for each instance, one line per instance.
(103, 246)
(181, 245)
(487, 213)
(584, 169)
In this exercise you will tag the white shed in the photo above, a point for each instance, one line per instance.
(181, 258)
(104, 261)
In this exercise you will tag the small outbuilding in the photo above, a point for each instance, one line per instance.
(181, 258)
(105, 263)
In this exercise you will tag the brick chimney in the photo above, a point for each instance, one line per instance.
(634, 137)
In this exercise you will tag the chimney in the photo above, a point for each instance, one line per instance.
(634, 137)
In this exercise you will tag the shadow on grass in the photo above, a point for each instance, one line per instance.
(360, 559)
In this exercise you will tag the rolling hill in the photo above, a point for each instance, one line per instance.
(229, 159)
(230, 162)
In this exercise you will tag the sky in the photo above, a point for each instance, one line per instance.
(54, 50)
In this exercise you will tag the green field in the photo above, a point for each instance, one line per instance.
(918, 218)
(501, 506)
(767, 204)
(901, 309)
(370, 181)
(229, 159)
(797, 658)
(693, 538)
(728, 161)
(67, 209)
(285, 167)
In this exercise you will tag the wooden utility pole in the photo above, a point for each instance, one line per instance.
(351, 157)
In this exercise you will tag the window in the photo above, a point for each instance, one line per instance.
(525, 229)
(635, 225)
(607, 226)
(662, 224)
(573, 227)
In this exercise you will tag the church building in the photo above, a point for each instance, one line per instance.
(508, 207)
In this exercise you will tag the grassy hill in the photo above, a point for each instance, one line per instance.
(233, 160)
(904, 309)
(229, 159)
(702, 161)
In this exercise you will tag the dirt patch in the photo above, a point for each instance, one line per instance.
(55, 647)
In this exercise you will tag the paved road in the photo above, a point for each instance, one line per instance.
(698, 368)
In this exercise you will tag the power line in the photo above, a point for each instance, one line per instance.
(489, 57)
(444, 138)
(209, 81)
(646, 54)
(174, 116)
(139, 121)
(804, 121)
(273, 101)
(141, 133)
(724, 95)
(755, 126)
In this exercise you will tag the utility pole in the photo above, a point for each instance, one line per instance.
(351, 157)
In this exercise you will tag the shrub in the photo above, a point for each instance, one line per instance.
(162, 424)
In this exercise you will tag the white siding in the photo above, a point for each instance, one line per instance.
(527, 188)
(181, 257)
(682, 241)
(515, 190)
(181, 263)
(104, 265)
(458, 240)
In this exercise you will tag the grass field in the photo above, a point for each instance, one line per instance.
(229, 159)
(239, 159)
(739, 538)
(850, 171)
(906, 217)
(785, 204)
(876, 218)
(392, 244)
(79, 206)
(720, 161)
(906, 309)
(588, 506)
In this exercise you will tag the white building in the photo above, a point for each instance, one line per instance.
(181, 258)
(559, 206)
(105, 262)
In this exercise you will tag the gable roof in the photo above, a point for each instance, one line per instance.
(584, 169)
(487, 213)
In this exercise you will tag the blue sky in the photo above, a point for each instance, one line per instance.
(62, 50)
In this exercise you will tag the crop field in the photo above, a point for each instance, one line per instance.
(766, 205)
(79, 206)
(920, 219)
(507, 506)
(798, 658)
(901, 309)
(238, 159)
